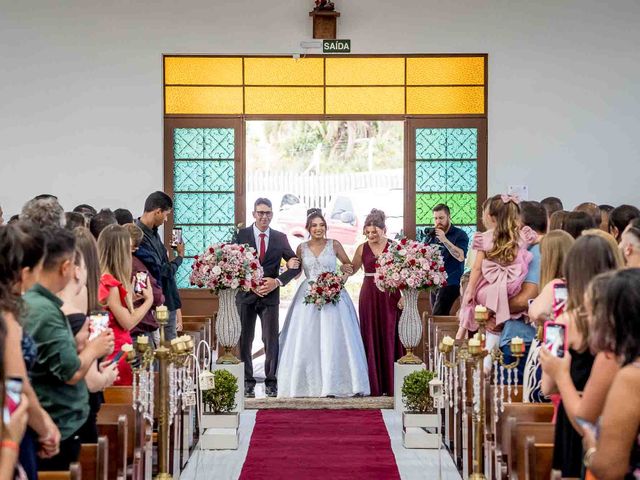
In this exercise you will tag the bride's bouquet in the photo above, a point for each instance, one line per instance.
(324, 289)
(226, 266)
(410, 265)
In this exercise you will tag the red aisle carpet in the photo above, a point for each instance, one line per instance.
(320, 444)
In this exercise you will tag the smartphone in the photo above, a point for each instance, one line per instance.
(560, 297)
(587, 425)
(13, 392)
(176, 237)
(98, 323)
(140, 281)
(117, 358)
(555, 338)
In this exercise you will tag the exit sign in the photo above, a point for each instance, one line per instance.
(336, 46)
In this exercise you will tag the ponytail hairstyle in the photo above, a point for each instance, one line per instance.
(376, 218)
(114, 248)
(506, 234)
(312, 214)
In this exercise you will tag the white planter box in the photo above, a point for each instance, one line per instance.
(220, 439)
(426, 420)
(415, 437)
(399, 372)
(220, 420)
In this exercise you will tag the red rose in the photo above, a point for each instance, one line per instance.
(412, 262)
(196, 257)
(403, 242)
(441, 269)
(319, 290)
(211, 250)
(423, 251)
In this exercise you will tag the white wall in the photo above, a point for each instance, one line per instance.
(81, 97)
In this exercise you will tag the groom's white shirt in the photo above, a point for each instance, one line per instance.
(256, 236)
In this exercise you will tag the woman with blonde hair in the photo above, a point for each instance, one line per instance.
(116, 293)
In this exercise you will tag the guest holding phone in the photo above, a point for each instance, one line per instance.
(578, 371)
(11, 432)
(148, 326)
(116, 293)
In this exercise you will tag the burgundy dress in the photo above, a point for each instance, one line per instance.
(379, 314)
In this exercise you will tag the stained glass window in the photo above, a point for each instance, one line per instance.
(204, 184)
(447, 172)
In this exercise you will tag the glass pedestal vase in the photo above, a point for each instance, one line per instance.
(228, 326)
(410, 327)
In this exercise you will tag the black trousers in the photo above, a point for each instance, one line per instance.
(69, 453)
(269, 320)
(442, 299)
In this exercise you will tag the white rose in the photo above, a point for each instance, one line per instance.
(248, 255)
(216, 270)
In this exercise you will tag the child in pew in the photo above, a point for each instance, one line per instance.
(501, 265)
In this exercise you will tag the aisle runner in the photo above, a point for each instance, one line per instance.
(320, 444)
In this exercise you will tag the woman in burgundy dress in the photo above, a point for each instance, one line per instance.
(379, 312)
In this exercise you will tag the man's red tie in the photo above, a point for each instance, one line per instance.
(263, 247)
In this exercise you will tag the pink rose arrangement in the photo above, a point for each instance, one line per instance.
(324, 289)
(410, 264)
(227, 265)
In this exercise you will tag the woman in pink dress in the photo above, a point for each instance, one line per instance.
(115, 293)
(378, 311)
(500, 267)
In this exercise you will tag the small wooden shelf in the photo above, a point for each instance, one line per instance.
(325, 24)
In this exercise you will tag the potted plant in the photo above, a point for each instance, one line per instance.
(218, 401)
(421, 421)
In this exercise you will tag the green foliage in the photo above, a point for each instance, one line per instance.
(415, 391)
(222, 397)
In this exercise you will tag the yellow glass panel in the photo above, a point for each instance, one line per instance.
(445, 71)
(284, 100)
(365, 100)
(365, 71)
(444, 100)
(283, 71)
(203, 71)
(213, 100)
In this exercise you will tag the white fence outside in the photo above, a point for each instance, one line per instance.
(316, 190)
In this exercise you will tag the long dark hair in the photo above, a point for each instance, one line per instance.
(623, 304)
(11, 254)
(3, 336)
(89, 249)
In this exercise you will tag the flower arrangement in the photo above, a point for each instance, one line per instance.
(410, 265)
(324, 289)
(226, 266)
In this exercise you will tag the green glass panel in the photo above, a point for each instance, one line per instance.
(188, 143)
(219, 176)
(219, 208)
(204, 208)
(218, 143)
(446, 143)
(218, 233)
(188, 176)
(183, 273)
(462, 206)
(447, 176)
(188, 208)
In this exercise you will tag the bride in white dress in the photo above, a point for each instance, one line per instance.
(321, 351)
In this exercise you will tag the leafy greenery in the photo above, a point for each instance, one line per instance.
(222, 397)
(415, 391)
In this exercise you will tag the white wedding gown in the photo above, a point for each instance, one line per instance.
(321, 351)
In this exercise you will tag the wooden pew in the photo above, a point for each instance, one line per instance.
(118, 395)
(538, 459)
(521, 432)
(74, 473)
(431, 347)
(115, 426)
(94, 459)
(208, 322)
(518, 412)
(134, 451)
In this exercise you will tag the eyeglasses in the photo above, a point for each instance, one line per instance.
(263, 214)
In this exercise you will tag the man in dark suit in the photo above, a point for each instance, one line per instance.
(272, 246)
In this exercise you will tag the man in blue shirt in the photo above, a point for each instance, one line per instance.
(453, 243)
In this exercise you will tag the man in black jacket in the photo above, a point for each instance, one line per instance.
(272, 246)
(153, 254)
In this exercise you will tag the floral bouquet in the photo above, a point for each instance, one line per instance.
(410, 265)
(227, 266)
(324, 289)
